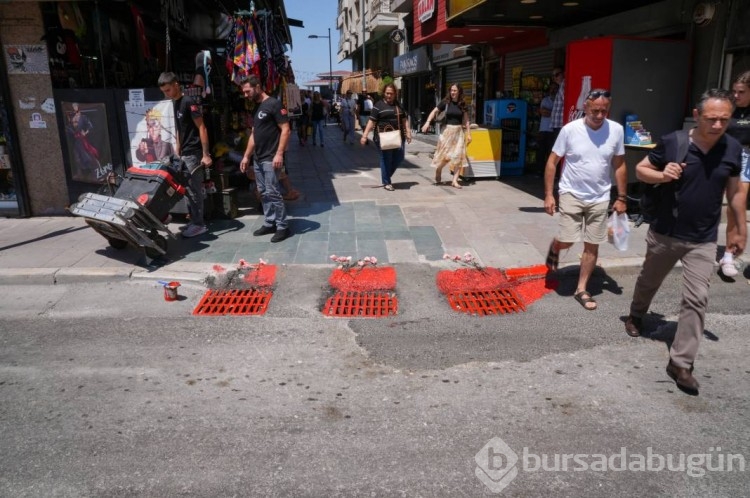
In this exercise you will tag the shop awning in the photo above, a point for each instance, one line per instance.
(354, 82)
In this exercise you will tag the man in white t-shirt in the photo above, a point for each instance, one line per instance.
(591, 146)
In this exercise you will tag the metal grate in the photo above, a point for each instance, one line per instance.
(499, 301)
(217, 302)
(361, 304)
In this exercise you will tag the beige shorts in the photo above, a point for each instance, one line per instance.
(577, 217)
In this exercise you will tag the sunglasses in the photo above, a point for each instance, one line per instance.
(595, 94)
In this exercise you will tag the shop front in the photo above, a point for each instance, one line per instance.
(81, 84)
(417, 86)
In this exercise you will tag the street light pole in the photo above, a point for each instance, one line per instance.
(330, 64)
(364, 65)
(330, 59)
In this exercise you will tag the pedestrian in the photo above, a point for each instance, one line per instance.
(267, 144)
(192, 146)
(558, 106)
(546, 138)
(592, 146)
(348, 110)
(739, 128)
(304, 119)
(388, 112)
(317, 116)
(365, 109)
(451, 146)
(687, 223)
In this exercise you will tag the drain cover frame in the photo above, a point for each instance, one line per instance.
(222, 302)
(356, 304)
(483, 303)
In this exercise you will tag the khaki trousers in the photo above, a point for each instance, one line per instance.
(697, 259)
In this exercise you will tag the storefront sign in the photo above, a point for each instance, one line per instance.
(412, 62)
(443, 52)
(425, 9)
(458, 7)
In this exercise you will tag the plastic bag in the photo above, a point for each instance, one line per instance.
(618, 227)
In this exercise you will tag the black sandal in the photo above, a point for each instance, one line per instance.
(553, 258)
(584, 297)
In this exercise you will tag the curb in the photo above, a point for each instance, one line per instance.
(194, 273)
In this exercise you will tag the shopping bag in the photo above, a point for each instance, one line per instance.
(390, 139)
(619, 230)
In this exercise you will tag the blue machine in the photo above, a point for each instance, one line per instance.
(510, 116)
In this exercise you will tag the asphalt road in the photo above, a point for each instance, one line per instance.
(108, 390)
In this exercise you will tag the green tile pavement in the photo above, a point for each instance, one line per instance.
(357, 229)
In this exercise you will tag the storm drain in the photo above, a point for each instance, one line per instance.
(217, 302)
(492, 302)
(361, 304)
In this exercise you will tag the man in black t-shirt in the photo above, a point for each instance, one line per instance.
(686, 225)
(267, 144)
(192, 147)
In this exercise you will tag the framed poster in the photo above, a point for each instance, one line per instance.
(87, 140)
(151, 129)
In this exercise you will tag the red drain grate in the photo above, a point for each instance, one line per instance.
(491, 302)
(361, 304)
(233, 302)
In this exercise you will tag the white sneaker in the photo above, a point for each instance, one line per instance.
(194, 231)
(185, 227)
(728, 268)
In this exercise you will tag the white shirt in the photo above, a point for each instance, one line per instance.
(588, 153)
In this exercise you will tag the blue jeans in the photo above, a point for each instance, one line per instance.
(347, 120)
(389, 161)
(267, 181)
(318, 130)
(194, 193)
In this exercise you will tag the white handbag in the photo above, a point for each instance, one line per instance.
(390, 138)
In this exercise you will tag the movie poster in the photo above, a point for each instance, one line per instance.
(86, 134)
(151, 130)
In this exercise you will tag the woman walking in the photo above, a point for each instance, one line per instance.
(388, 113)
(739, 128)
(318, 116)
(451, 147)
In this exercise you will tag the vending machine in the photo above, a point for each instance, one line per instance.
(510, 116)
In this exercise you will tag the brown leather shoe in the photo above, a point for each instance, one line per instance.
(683, 377)
(633, 326)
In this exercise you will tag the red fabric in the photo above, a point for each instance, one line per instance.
(141, 32)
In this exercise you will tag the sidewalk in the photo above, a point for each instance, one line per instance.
(342, 210)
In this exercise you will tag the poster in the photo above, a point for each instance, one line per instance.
(26, 59)
(86, 135)
(151, 130)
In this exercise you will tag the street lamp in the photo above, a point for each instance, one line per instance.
(330, 58)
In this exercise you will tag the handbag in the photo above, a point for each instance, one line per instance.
(440, 118)
(389, 138)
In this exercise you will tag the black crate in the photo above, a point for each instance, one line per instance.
(156, 189)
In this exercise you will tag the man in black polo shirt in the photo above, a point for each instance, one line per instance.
(686, 224)
(268, 142)
(192, 147)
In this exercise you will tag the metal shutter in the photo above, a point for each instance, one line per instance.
(538, 61)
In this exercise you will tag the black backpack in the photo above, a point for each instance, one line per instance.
(651, 192)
